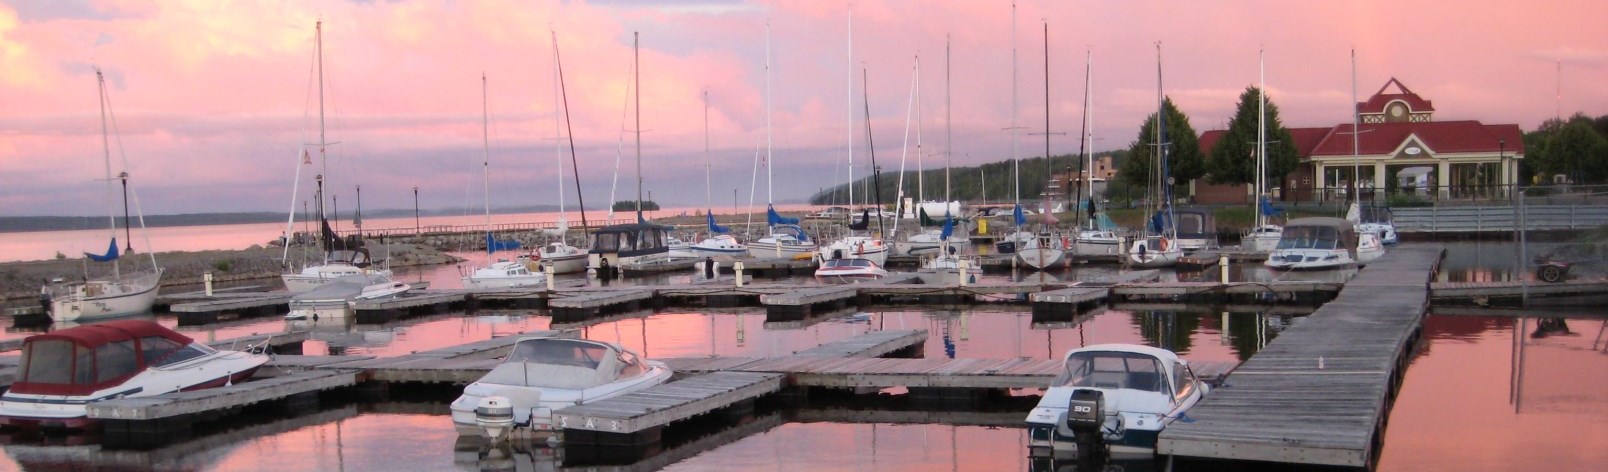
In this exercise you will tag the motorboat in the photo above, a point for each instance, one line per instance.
(1154, 251)
(862, 247)
(520, 272)
(62, 371)
(543, 374)
(1043, 250)
(1374, 219)
(1097, 242)
(1370, 247)
(944, 269)
(1196, 229)
(626, 244)
(1320, 243)
(335, 298)
(562, 257)
(719, 245)
(679, 249)
(849, 269)
(1113, 397)
(785, 241)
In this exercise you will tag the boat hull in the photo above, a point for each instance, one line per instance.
(56, 412)
(565, 264)
(1309, 260)
(762, 250)
(100, 299)
(1040, 258)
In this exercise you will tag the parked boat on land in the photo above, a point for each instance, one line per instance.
(1113, 398)
(544, 374)
(61, 372)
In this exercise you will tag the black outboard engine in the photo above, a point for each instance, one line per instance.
(1085, 413)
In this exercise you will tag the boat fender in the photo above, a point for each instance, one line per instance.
(1163, 244)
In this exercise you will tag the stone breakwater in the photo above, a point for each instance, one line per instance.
(21, 280)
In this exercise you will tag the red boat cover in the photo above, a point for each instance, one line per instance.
(48, 367)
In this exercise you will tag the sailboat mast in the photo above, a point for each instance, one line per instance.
(485, 136)
(1261, 137)
(848, 97)
(949, 152)
(636, 70)
(870, 146)
(709, 200)
(558, 133)
(580, 198)
(770, 186)
(318, 39)
(1049, 164)
(106, 151)
(1085, 148)
(921, 168)
(1356, 126)
(1016, 162)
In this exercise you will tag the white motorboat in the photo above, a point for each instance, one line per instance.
(120, 292)
(115, 359)
(1092, 242)
(929, 241)
(854, 247)
(1115, 397)
(1319, 243)
(1196, 229)
(543, 374)
(849, 269)
(1263, 238)
(334, 298)
(1376, 220)
(679, 249)
(720, 245)
(1043, 250)
(562, 257)
(1154, 251)
(520, 272)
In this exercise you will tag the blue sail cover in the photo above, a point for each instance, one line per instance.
(1159, 222)
(1020, 219)
(714, 228)
(949, 226)
(798, 232)
(111, 253)
(777, 219)
(1268, 209)
(494, 245)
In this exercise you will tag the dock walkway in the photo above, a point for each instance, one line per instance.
(1319, 393)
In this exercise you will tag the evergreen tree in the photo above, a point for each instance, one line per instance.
(1184, 159)
(1233, 158)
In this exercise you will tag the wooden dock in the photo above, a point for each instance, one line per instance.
(1512, 293)
(132, 412)
(636, 418)
(582, 305)
(1320, 392)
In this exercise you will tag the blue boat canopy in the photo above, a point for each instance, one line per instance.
(1017, 212)
(714, 228)
(493, 244)
(774, 218)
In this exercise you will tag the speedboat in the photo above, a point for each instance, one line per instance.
(61, 372)
(1319, 243)
(334, 299)
(1095, 242)
(562, 257)
(679, 249)
(1042, 251)
(622, 245)
(1154, 251)
(786, 241)
(719, 245)
(506, 274)
(1113, 397)
(543, 374)
(862, 247)
(849, 269)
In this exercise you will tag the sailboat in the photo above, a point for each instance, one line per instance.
(1098, 235)
(559, 255)
(1158, 246)
(520, 272)
(631, 243)
(854, 246)
(787, 239)
(1045, 248)
(940, 240)
(1015, 239)
(719, 243)
(342, 257)
(118, 293)
(1263, 236)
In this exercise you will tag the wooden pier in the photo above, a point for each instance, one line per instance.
(636, 418)
(583, 305)
(1512, 293)
(1319, 393)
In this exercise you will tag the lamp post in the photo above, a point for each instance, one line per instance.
(1512, 175)
(415, 210)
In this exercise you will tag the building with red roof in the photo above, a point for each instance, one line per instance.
(1400, 148)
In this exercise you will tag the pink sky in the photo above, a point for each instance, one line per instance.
(212, 97)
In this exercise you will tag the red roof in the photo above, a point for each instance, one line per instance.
(1376, 103)
(97, 334)
(83, 368)
(1305, 139)
(1438, 136)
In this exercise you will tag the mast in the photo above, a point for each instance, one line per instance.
(870, 146)
(1016, 162)
(323, 158)
(1161, 134)
(770, 186)
(580, 199)
(1086, 149)
(636, 72)
(848, 97)
(111, 188)
(709, 200)
(485, 163)
(1261, 138)
(1049, 163)
(949, 152)
(558, 135)
(921, 168)
(1356, 127)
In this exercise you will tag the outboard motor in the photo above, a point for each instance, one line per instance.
(1085, 413)
(495, 416)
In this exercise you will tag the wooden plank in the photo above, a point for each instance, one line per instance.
(245, 393)
(600, 299)
(640, 411)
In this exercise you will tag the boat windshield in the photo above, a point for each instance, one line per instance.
(1112, 370)
(606, 242)
(1309, 237)
(1372, 214)
(558, 352)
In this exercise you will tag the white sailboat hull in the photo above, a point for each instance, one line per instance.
(313, 277)
(1143, 255)
(104, 298)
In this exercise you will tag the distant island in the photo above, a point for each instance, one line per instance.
(631, 205)
(24, 224)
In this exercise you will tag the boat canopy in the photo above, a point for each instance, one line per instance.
(1319, 233)
(563, 363)
(630, 239)
(85, 359)
(110, 255)
(1195, 223)
(1119, 366)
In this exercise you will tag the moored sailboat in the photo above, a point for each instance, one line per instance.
(504, 273)
(1158, 246)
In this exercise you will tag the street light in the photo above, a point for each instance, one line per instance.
(415, 210)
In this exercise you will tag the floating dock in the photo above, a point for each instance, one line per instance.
(1513, 292)
(1319, 393)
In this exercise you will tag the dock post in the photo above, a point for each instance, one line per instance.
(1222, 264)
(549, 271)
(207, 278)
(963, 264)
(738, 267)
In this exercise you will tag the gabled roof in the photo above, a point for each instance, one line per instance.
(1305, 139)
(1376, 103)
(1438, 136)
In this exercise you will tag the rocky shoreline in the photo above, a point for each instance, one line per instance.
(21, 280)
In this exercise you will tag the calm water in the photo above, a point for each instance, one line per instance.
(1470, 400)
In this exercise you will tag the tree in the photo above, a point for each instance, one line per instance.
(1184, 159)
(1233, 159)
(1577, 151)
